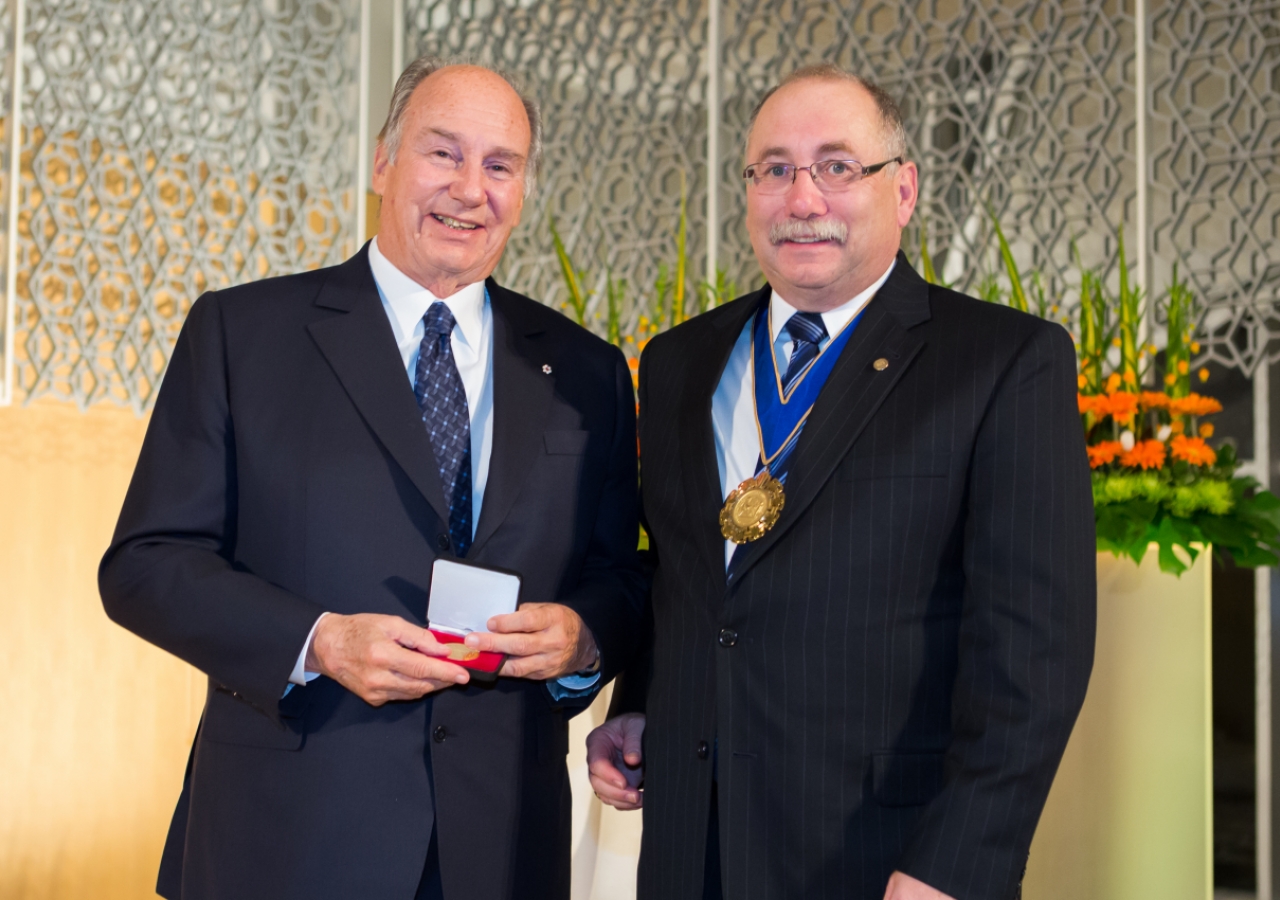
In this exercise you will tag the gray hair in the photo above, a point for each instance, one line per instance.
(418, 71)
(895, 131)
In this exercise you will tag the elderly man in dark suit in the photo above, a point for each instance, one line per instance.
(873, 609)
(319, 441)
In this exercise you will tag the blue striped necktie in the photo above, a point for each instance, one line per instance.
(443, 401)
(807, 331)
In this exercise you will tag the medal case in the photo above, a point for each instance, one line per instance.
(464, 595)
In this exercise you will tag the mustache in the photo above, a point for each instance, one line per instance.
(808, 231)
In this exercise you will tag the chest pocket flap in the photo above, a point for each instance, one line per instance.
(566, 443)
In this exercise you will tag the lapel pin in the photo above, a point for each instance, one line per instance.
(880, 364)
(546, 370)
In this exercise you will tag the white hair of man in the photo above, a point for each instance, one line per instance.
(419, 70)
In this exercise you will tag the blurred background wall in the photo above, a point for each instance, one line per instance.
(154, 149)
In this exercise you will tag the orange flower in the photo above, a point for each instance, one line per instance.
(1194, 405)
(634, 365)
(1206, 430)
(1087, 404)
(1113, 382)
(1144, 455)
(1154, 400)
(1106, 452)
(1121, 406)
(1193, 450)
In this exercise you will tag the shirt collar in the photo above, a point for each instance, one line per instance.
(835, 319)
(409, 300)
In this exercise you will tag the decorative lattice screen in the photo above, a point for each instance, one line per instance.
(622, 85)
(1026, 107)
(169, 148)
(1214, 166)
(1021, 106)
(173, 146)
(6, 132)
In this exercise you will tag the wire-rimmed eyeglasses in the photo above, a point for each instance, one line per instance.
(829, 175)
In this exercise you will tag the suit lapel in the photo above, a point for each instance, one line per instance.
(522, 393)
(362, 352)
(851, 396)
(698, 442)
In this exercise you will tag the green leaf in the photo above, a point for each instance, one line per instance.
(1167, 539)
(926, 262)
(682, 257)
(1017, 294)
(1125, 528)
(572, 278)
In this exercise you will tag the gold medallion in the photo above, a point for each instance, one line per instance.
(462, 653)
(752, 508)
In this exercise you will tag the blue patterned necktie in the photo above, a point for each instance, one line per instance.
(807, 331)
(443, 401)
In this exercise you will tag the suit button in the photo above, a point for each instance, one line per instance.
(442, 543)
(704, 749)
(438, 734)
(728, 637)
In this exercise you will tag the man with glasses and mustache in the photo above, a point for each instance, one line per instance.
(869, 501)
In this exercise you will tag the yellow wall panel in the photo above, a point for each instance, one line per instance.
(95, 724)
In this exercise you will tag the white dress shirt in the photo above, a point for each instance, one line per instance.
(405, 302)
(733, 414)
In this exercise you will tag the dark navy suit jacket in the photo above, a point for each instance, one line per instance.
(286, 472)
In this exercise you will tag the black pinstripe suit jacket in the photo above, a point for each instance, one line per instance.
(892, 673)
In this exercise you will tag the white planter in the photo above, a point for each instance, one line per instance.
(1130, 815)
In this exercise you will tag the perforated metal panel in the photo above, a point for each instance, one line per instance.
(1023, 107)
(7, 12)
(175, 146)
(622, 86)
(1215, 166)
(1028, 108)
(170, 148)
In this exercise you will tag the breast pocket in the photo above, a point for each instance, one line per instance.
(566, 443)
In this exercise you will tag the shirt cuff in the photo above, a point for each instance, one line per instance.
(300, 675)
(568, 687)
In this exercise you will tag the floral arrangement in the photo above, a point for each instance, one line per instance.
(1156, 478)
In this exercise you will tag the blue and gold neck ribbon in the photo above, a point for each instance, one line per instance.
(780, 416)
